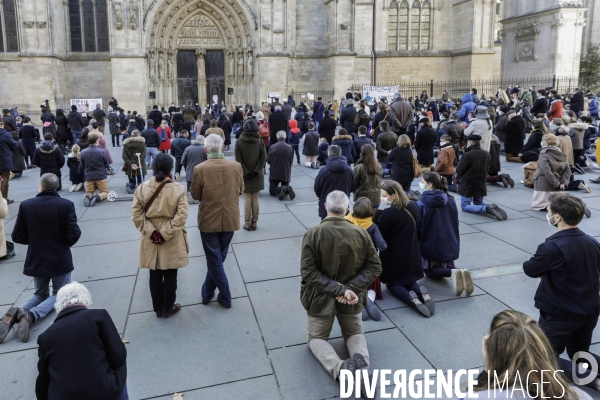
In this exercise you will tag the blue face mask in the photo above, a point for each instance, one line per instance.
(422, 186)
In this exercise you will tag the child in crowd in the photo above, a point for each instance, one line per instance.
(362, 215)
(294, 139)
(323, 147)
(102, 145)
(73, 162)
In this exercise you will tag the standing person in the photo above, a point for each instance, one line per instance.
(385, 143)
(401, 261)
(152, 142)
(277, 122)
(402, 115)
(159, 212)
(178, 146)
(164, 133)
(344, 140)
(113, 127)
(482, 126)
(49, 158)
(48, 225)
(225, 125)
(134, 171)
(577, 102)
(435, 112)
(218, 185)
(237, 118)
(94, 164)
(310, 148)
(215, 130)
(472, 171)
(348, 115)
(28, 137)
(384, 115)
(192, 156)
(318, 111)
(294, 139)
(75, 173)
(99, 116)
(367, 176)
(9, 121)
(327, 127)
(280, 159)
(264, 130)
(401, 161)
(84, 340)
(552, 173)
(62, 131)
(7, 146)
(338, 263)
(514, 131)
(18, 158)
(424, 144)
(439, 238)
(446, 159)
(250, 152)
(156, 117)
(568, 264)
(540, 106)
(336, 175)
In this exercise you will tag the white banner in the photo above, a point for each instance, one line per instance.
(374, 93)
(84, 105)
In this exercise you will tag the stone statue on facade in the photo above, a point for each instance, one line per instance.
(231, 65)
(241, 64)
(201, 65)
(169, 68)
(118, 15)
(132, 15)
(161, 68)
(250, 64)
(151, 63)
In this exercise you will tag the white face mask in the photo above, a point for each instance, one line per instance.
(384, 200)
(550, 223)
(423, 186)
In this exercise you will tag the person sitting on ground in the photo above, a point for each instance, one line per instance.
(362, 215)
(515, 347)
(82, 340)
(94, 164)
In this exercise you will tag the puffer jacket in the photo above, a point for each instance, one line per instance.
(49, 158)
(178, 146)
(336, 175)
(467, 107)
(94, 163)
(439, 237)
(576, 132)
(335, 251)
(251, 153)
(131, 147)
(76, 122)
(346, 144)
(552, 170)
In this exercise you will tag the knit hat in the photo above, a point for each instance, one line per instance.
(550, 140)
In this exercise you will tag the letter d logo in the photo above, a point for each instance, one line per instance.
(580, 369)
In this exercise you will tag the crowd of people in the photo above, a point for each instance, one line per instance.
(394, 235)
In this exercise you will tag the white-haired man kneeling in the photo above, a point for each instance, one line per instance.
(83, 342)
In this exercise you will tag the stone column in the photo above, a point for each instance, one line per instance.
(202, 99)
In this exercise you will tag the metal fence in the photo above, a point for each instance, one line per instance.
(310, 95)
(24, 109)
(485, 88)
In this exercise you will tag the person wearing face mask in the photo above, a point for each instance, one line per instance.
(552, 173)
(438, 232)
(568, 265)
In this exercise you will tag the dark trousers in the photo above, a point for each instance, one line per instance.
(456, 148)
(401, 293)
(163, 286)
(274, 187)
(117, 138)
(438, 272)
(216, 245)
(295, 147)
(574, 335)
(573, 183)
(135, 180)
(178, 165)
(4, 184)
(405, 185)
(62, 145)
(189, 185)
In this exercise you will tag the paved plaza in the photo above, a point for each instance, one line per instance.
(257, 349)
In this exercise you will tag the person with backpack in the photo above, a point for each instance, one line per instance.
(164, 132)
(294, 138)
(264, 129)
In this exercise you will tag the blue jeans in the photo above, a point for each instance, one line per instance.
(76, 135)
(216, 245)
(124, 395)
(473, 205)
(151, 152)
(42, 304)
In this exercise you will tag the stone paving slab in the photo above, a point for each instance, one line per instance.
(307, 214)
(270, 226)
(264, 387)
(278, 258)
(95, 262)
(441, 338)
(13, 282)
(19, 373)
(524, 234)
(480, 250)
(105, 231)
(189, 284)
(222, 345)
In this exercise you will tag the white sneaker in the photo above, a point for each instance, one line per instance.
(78, 187)
(72, 188)
(585, 187)
(458, 281)
(467, 282)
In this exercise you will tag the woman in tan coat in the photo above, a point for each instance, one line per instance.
(159, 212)
(3, 214)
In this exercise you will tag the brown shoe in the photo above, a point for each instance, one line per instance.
(175, 309)
(7, 322)
(247, 227)
(254, 226)
(25, 320)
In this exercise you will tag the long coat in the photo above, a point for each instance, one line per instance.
(251, 153)
(401, 261)
(367, 185)
(473, 169)
(277, 122)
(311, 144)
(62, 127)
(193, 155)
(167, 215)
(19, 157)
(280, 158)
(85, 341)
(552, 170)
(424, 145)
(49, 159)
(131, 147)
(514, 130)
(401, 159)
(3, 214)
(327, 128)
(28, 136)
(48, 224)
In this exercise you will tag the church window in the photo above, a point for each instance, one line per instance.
(409, 21)
(9, 39)
(88, 20)
(398, 26)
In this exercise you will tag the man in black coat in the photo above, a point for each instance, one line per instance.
(347, 116)
(278, 121)
(472, 171)
(85, 341)
(568, 265)
(336, 175)
(46, 223)
(178, 146)
(99, 116)
(577, 102)
(514, 136)
(9, 123)
(156, 116)
(7, 146)
(327, 127)
(152, 142)
(541, 104)
(76, 123)
(280, 159)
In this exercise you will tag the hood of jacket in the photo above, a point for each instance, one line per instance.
(434, 198)
(47, 147)
(336, 164)
(250, 137)
(73, 113)
(467, 98)
(102, 143)
(578, 126)
(554, 153)
(293, 124)
(340, 137)
(134, 139)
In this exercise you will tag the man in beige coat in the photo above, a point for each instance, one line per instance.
(218, 185)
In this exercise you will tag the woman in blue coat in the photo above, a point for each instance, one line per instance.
(439, 239)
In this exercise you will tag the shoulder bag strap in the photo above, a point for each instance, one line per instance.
(154, 195)
(411, 217)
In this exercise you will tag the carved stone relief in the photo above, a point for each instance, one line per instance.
(132, 15)
(118, 15)
(200, 53)
(200, 32)
(241, 64)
